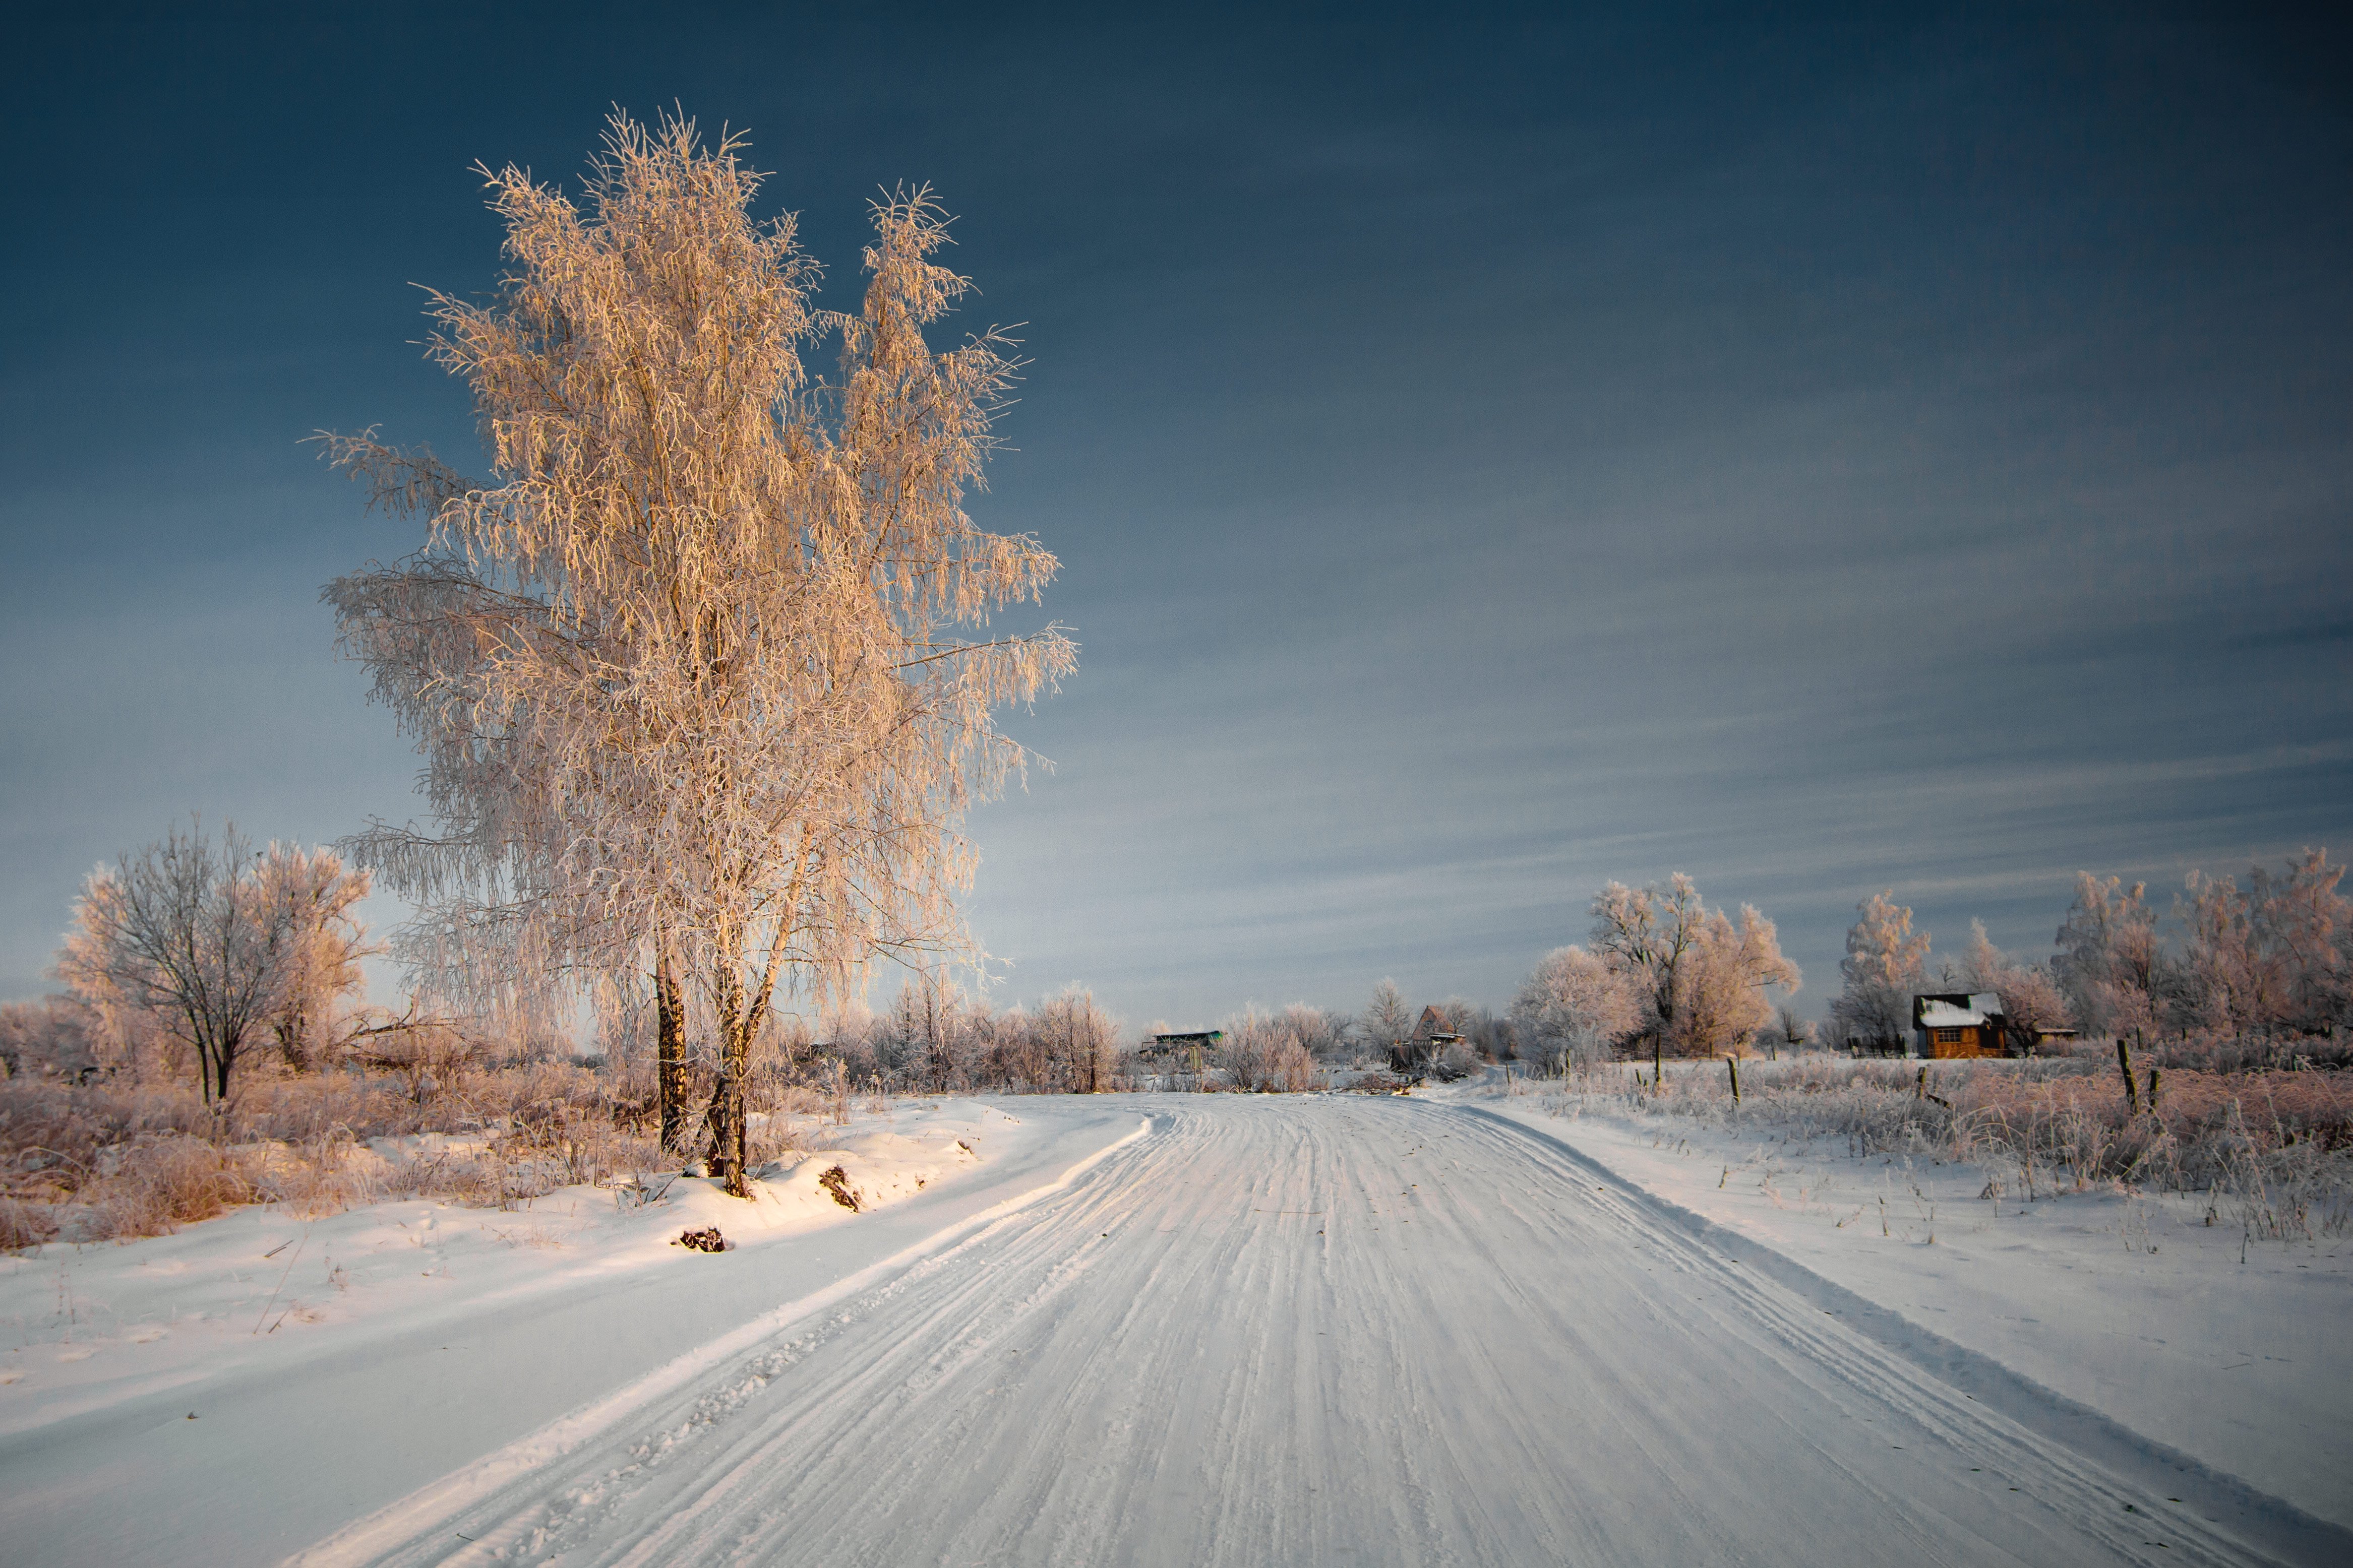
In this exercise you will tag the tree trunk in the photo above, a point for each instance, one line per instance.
(670, 1054)
(726, 1119)
(1659, 1063)
(739, 1022)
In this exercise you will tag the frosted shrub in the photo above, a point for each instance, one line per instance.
(1261, 1056)
(102, 1160)
(2275, 1148)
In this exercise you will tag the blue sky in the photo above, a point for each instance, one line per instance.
(1490, 455)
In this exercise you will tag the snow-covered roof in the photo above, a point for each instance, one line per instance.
(1945, 1015)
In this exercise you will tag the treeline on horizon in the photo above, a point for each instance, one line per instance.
(212, 1046)
(194, 961)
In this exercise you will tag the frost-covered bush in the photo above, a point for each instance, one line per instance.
(2275, 1146)
(1262, 1056)
(55, 1036)
(89, 1162)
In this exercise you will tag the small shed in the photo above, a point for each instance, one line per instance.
(1958, 1024)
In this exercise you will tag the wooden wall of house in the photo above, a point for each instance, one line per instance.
(1973, 1042)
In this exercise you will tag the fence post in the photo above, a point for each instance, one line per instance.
(2124, 1065)
(1732, 1066)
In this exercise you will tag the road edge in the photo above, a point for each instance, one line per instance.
(2270, 1525)
(404, 1520)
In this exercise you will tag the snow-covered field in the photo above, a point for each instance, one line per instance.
(1279, 1329)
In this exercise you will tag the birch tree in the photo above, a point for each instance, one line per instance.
(722, 693)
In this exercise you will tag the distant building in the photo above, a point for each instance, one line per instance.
(1434, 1029)
(1417, 1051)
(1958, 1024)
(1180, 1045)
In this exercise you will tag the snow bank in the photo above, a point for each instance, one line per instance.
(254, 1382)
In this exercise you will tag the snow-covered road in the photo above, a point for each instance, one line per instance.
(1295, 1330)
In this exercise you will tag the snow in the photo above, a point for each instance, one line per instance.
(1198, 1329)
(1945, 1015)
(334, 1365)
(2125, 1302)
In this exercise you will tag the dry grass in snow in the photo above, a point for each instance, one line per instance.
(101, 1161)
(2272, 1149)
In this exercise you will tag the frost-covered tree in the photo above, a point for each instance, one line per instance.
(738, 691)
(1884, 966)
(2111, 965)
(1699, 975)
(55, 1036)
(214, 945)
(1387, 1018)
(1723, 1005)
(1263, 1055)
(2302, 918)
(2273, 957)
(1643, 935)
(1789, 1029)
(928, 1027)
(2031, 1002)
(312, 892)
(1574, 1008)
(1322, 1034)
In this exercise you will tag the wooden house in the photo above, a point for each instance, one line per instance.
(1958, 1024)
(1433, 1030)
(1428, 1042)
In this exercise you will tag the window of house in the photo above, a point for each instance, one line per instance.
(1949, 1037)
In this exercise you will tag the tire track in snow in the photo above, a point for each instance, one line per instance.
(1317, 1328)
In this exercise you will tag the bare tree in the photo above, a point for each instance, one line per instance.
(1790, 1029)
(734, 694)
(1885, 964)
(214, 945)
